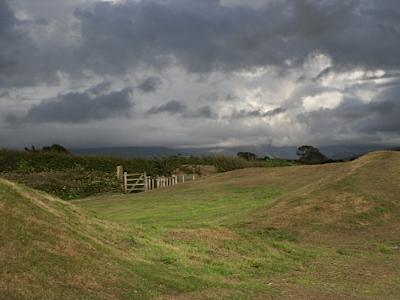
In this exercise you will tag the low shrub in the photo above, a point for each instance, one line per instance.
(69, 185)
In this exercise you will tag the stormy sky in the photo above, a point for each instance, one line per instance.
(199, 73)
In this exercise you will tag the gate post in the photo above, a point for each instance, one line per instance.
(120, 173)
(125, 182)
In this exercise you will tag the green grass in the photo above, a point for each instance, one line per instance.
(139, 260)
(217, 207)
(323, 232)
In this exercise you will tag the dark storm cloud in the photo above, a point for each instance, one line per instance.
(23, 61)
(74, 43)
(205, 112)
(11, 119)
(354, 117)
(383, 115)
(82, 107)
(100, 88)
(179, 108)
(202, 36)
(257, 113)
(7, 20)
(206, 35)
(172, 107)
(9, 38)
(150, 84)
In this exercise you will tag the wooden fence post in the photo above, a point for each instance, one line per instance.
(125, 182)
(120, 173)
(145, 182)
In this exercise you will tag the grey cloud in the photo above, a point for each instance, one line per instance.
(11, 119)
(78, 107)
(382, 115)
(206, 112)
(366, 77)
(205, 35)
(172, 107)
(112, 40)
(150, 84)
(325, 72)
(4, 94)
(231, 97)
(9, 38)
(258, 113)
(100, 88)
(202, 36)
(389, 83)
(355, 118)
(23, 61)
(178, 108)
(8, 19)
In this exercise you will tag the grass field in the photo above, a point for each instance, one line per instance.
(302, 232)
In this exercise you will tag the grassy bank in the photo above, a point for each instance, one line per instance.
(304, 232)
(324, 231)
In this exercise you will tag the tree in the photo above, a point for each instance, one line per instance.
(310, 154)
(247, 155)
(55, 148)
(32, 149)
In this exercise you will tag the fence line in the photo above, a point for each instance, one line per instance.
(140, 182)
(161, 182)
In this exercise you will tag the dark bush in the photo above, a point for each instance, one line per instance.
(310, 155)
(247, 156)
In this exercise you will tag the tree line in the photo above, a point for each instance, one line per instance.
(307, 154)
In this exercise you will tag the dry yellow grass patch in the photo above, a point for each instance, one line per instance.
(33, 196)
(203, 234)
(206, 294)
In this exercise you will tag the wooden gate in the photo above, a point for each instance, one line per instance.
(134, 183)
(140, 182)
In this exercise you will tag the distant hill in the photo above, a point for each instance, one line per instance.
(127, 151)
(289, 152)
